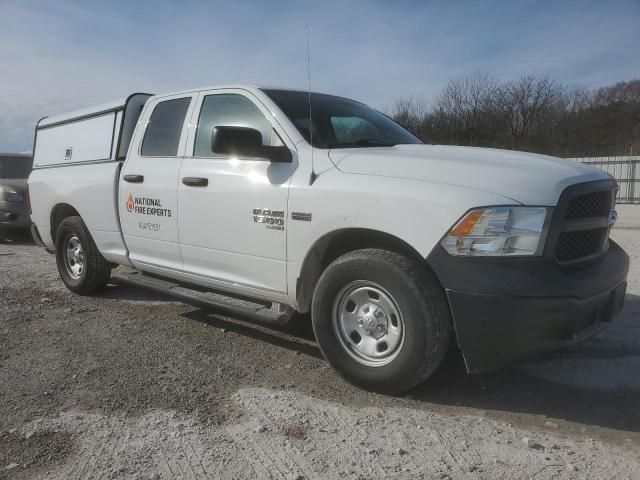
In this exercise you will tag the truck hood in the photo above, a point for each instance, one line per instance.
(527, 178)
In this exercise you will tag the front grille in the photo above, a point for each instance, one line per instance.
(577, 241)
(574, 245)
(595, 204)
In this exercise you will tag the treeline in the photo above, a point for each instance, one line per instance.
(532, 113)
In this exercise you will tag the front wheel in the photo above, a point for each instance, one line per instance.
(82, 267)
(381, 320)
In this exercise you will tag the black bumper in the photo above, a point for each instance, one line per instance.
(508, 309)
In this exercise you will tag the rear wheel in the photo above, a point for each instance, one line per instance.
(381, 320)
(82, 268)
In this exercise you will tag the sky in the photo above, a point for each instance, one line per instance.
(61, 55)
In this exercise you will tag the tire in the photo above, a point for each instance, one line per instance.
(378, 352)
(84, 271)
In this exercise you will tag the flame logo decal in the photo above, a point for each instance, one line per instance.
(130, 203)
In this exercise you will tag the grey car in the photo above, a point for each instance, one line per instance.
(14, 172)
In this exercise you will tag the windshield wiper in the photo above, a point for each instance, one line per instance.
(374, 141)
(365, 142)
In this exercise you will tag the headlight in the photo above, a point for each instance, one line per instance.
(497, 231)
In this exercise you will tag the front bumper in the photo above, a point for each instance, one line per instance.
(14, 215)
(509, 309)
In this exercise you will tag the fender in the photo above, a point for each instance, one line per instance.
(413, 215)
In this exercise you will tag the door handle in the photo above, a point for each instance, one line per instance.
(195, 181)
(133, 178)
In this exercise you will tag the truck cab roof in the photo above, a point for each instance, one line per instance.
(91, 111)
(121, 102)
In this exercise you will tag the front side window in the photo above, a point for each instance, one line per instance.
(228, 110)
(338, 122)
(163, 132)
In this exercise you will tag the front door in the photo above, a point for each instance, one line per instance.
(148, 190)
(233, 222)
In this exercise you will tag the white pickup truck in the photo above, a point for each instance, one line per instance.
(285, 201)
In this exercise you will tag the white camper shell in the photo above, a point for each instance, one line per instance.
(96, 134)
(93, 141)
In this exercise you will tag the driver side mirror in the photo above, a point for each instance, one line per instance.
(246, 142)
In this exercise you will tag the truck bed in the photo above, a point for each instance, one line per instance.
(77, 161)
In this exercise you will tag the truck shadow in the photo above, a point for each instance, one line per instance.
(118, 292)
(296, 336)
(595, 383)
(20, 237)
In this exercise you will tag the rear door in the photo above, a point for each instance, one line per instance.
(148, 190)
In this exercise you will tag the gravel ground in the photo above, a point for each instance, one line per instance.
(628, 217)
(128, 384)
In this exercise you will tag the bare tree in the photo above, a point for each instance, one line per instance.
(412, 113)
(576, 99)
(566, 120)
(531, 113)
(621, 92)
(525, 102)
(616, 109)
(466, 109)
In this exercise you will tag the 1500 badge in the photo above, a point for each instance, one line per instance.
(273, 219)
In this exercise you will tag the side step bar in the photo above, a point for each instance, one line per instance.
(277, 315)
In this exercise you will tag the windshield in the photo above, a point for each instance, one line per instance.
(339, 122)
(15, 167)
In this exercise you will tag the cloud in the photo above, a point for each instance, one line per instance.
(65, 54)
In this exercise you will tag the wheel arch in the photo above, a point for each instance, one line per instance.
(335, 244)
(58, 214)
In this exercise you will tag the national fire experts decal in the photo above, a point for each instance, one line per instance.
(150, 207)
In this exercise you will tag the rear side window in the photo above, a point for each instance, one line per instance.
(162, 136)
(228, 110)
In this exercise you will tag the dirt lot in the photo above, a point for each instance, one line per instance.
(130, 385)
